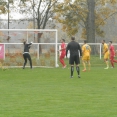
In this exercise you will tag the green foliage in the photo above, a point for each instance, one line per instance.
(2, 7)
(73, 15)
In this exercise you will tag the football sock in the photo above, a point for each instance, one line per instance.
(30, 64)
(107, 64)
(89, 65)
(112, 63)
(24, 65)
(84, 65)
(62, 62)
(72, 70)
(78, 70)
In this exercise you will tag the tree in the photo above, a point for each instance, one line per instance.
(2, 7)
(42, 11)
(90, 15)
(90, 21)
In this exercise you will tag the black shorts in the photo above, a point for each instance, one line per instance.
(27, 56)
(74, 58)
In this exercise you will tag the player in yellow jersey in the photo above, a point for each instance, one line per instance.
(105, 53)
(86, 51)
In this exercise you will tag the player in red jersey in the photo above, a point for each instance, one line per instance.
(112, 54)
(63, 53)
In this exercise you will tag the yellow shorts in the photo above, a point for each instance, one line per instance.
(86, 58)
(106, 55)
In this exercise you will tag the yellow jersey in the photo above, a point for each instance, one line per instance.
(86, 50)
(105, 48)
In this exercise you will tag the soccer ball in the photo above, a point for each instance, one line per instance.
(57, 65)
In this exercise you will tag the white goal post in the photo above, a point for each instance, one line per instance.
(49, 35)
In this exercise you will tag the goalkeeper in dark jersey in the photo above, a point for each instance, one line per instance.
(26, 54)
(75, 50)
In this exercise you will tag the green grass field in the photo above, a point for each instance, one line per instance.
(44, 92)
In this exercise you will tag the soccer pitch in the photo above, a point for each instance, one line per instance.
(44, 92)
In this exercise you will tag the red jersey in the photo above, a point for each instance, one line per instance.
(112, 50)
(63, 47)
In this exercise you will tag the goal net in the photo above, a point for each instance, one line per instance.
(43, 50)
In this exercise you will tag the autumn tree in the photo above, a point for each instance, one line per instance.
(90, 15)
(90, 21)
(2, 7)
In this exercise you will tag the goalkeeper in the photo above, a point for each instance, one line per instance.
(26, 54)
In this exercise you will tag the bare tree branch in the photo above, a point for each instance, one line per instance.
(107, 18)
